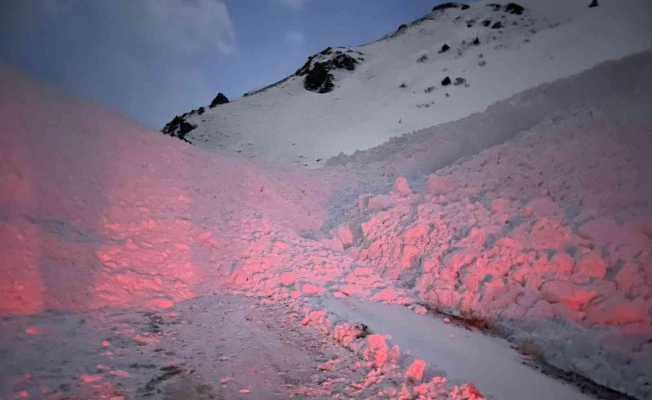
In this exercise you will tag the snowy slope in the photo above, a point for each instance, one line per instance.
(397, 88)
(96, 211)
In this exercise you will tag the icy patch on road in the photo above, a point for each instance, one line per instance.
(459, 354)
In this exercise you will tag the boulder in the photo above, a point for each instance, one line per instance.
(511, 8)
(219, 99)
(515, 9)
(178, 128)
(344, 61)
(319, 79)
(184, 128)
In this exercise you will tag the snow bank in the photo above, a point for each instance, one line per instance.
(95, 211)
(546, 237)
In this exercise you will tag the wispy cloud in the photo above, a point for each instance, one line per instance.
(190, 24)
(178, 25)
(144, 57)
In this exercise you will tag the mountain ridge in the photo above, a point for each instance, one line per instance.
(407, 80)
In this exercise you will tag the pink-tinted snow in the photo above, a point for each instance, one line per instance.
(98, 213)
(554, 226)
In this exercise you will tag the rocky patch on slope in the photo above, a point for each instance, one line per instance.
(219, 99)
(445, 6)
(511, 8)
(179, 127)
(318, 70)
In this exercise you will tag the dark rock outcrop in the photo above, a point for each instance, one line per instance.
(497, 25)
(446, 82)
(510, 8)
(317, 70)
(219, 99)
(445, 6)
(594, 3)
(318, 79)
(178, 128)
(514, 8)
(344, 61)
(444, 48)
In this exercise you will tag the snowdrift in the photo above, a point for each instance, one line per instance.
(96, 211)
(545, 238)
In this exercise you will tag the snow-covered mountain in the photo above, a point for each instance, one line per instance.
(453, 62)
(123, 250)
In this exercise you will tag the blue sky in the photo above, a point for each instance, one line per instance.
(152, 59)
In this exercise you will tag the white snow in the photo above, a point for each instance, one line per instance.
(552, 39)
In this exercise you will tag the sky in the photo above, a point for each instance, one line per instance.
(153, 59)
